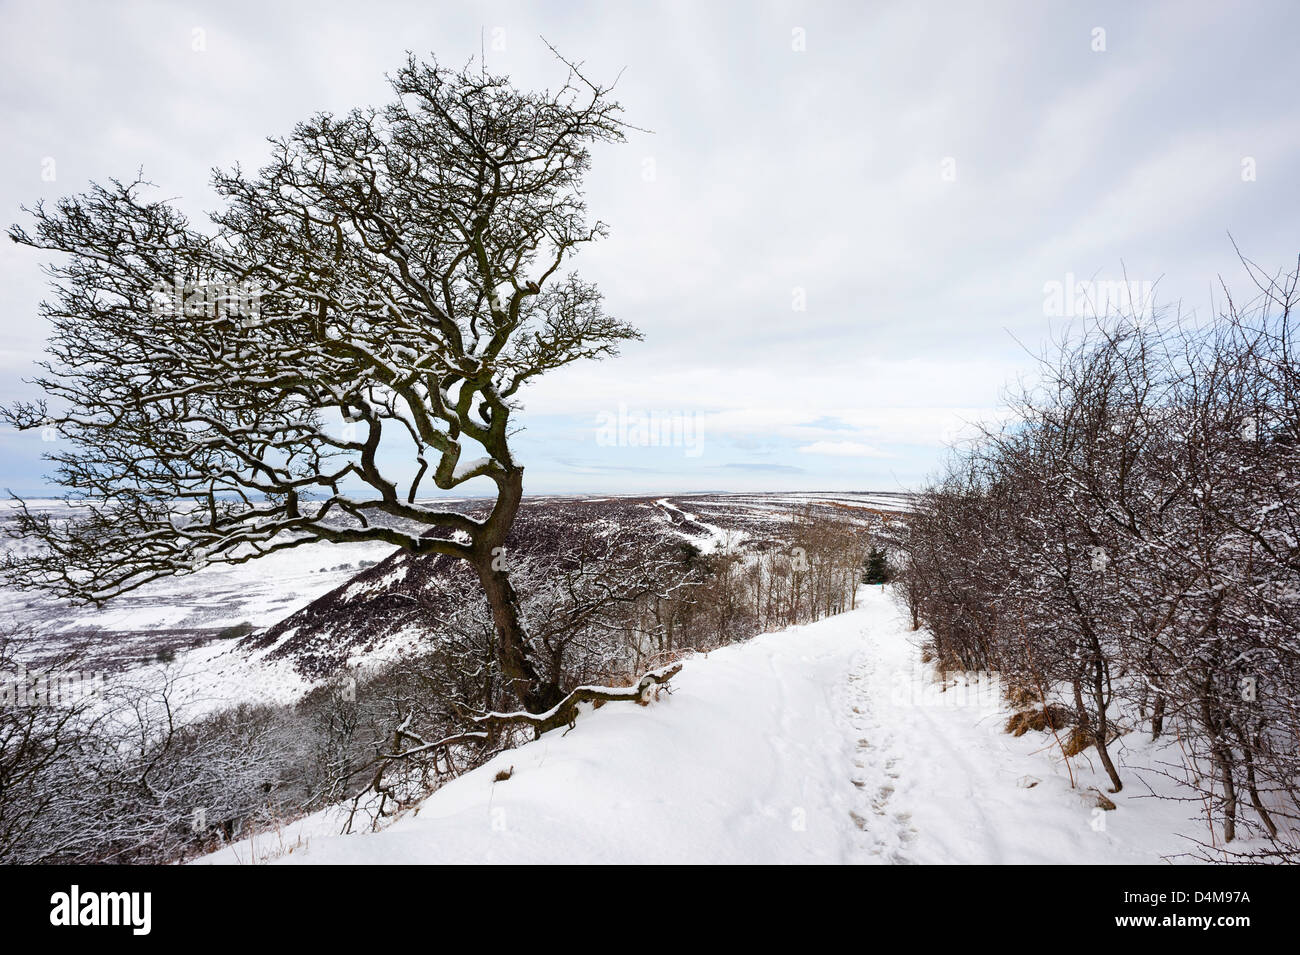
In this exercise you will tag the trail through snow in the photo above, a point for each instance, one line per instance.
(825, 743)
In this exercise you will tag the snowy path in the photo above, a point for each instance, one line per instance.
(825, 743)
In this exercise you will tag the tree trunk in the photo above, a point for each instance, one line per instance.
(1099, 682)
(1224, 761)
(1252, 787)
(491, 561)
(1095, 726)
(1158, 717)
(1104, 753)
(517, 665)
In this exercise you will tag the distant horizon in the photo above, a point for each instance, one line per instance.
(34, 497)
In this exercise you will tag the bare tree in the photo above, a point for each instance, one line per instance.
(312, 364)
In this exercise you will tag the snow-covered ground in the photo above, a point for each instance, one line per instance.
(825, 743)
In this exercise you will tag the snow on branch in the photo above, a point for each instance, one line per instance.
(565, 713)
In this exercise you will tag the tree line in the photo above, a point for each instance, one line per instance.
(1127, 546)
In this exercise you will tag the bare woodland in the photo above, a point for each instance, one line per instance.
(1130, 543)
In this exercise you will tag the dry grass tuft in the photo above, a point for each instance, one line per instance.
(1053, 717)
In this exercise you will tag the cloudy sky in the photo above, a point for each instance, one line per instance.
(848, 221)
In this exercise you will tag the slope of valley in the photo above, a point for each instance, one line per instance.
(320, 609)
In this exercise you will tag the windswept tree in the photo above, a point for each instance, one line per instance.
(348, 333)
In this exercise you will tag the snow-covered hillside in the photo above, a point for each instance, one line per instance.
(825, 743)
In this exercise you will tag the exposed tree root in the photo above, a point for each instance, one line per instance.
(565, 712)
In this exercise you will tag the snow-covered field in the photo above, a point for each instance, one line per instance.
(180, 613)
(828, 743)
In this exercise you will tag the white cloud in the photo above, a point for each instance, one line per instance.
(775, 170)
(843, 449)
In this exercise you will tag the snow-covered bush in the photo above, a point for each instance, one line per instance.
(1131, 540)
